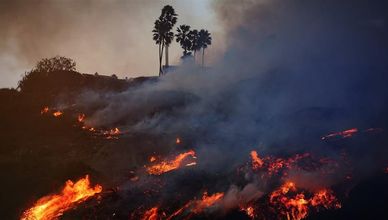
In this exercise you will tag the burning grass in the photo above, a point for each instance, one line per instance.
(53, 206)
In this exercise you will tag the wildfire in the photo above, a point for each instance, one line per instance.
(274, 165)
(166, 166)
(257, 162)
(151, 214)
(344, 134)
(296, 206)
(53, 206)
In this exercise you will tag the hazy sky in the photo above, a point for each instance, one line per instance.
(104, 36)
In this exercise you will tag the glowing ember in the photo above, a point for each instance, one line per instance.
(151, 214)
(207, 201)
(57, 113)
(178, 140)
(296, 206)
(152, 158)
(44, 110)
(197, 206)
(326, 199)
(81, 118)
(344, 134)
(257, 162)
(53, 206)
(250, 211)
(166, 166)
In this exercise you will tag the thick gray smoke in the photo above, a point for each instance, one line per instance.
(293, 70)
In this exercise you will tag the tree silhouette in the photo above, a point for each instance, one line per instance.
(54, 64)
(204, 40)
(183, 38)
(162, 34)
(194, 39)
(40, 72)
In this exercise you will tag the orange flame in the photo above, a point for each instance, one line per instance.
(297, 207)
(207, 201)
(257, 162)
(152, 158)
(57, 113)
(166, 166)
(343, 134)
(151, 214)
(44, 110)
(53, 206)
(250, 211)
(197, 206)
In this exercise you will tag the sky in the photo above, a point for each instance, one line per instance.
(108, 37)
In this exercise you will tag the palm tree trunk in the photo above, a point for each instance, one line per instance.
(160, 62)
(203, 56)
(166, 65)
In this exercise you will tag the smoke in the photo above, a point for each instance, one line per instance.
(108, 37)
(292, 71)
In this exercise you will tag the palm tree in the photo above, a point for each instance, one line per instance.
(204, 40)
(183, 38)
(162, 34)
(194, 37)
(169, 14)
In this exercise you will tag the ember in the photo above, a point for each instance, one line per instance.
(151, 214)
(343, 134)
(81, 118)
(44, 110)
(57, 113)
(166, 166)
(53, 206)
(257, 162)
(294, 205)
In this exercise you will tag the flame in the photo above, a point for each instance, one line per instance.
(44, 110)
(166, 166)
(57, 113)
(152, 158)
(207, 201)
(326, 199)
(197, 206)
(114, 131)
(81, 118)
(344, 134)
(53, 206)
(257, 162)
(151, 214)
(250, 211)
(297, 207)
(274, 165)
(178, 140)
